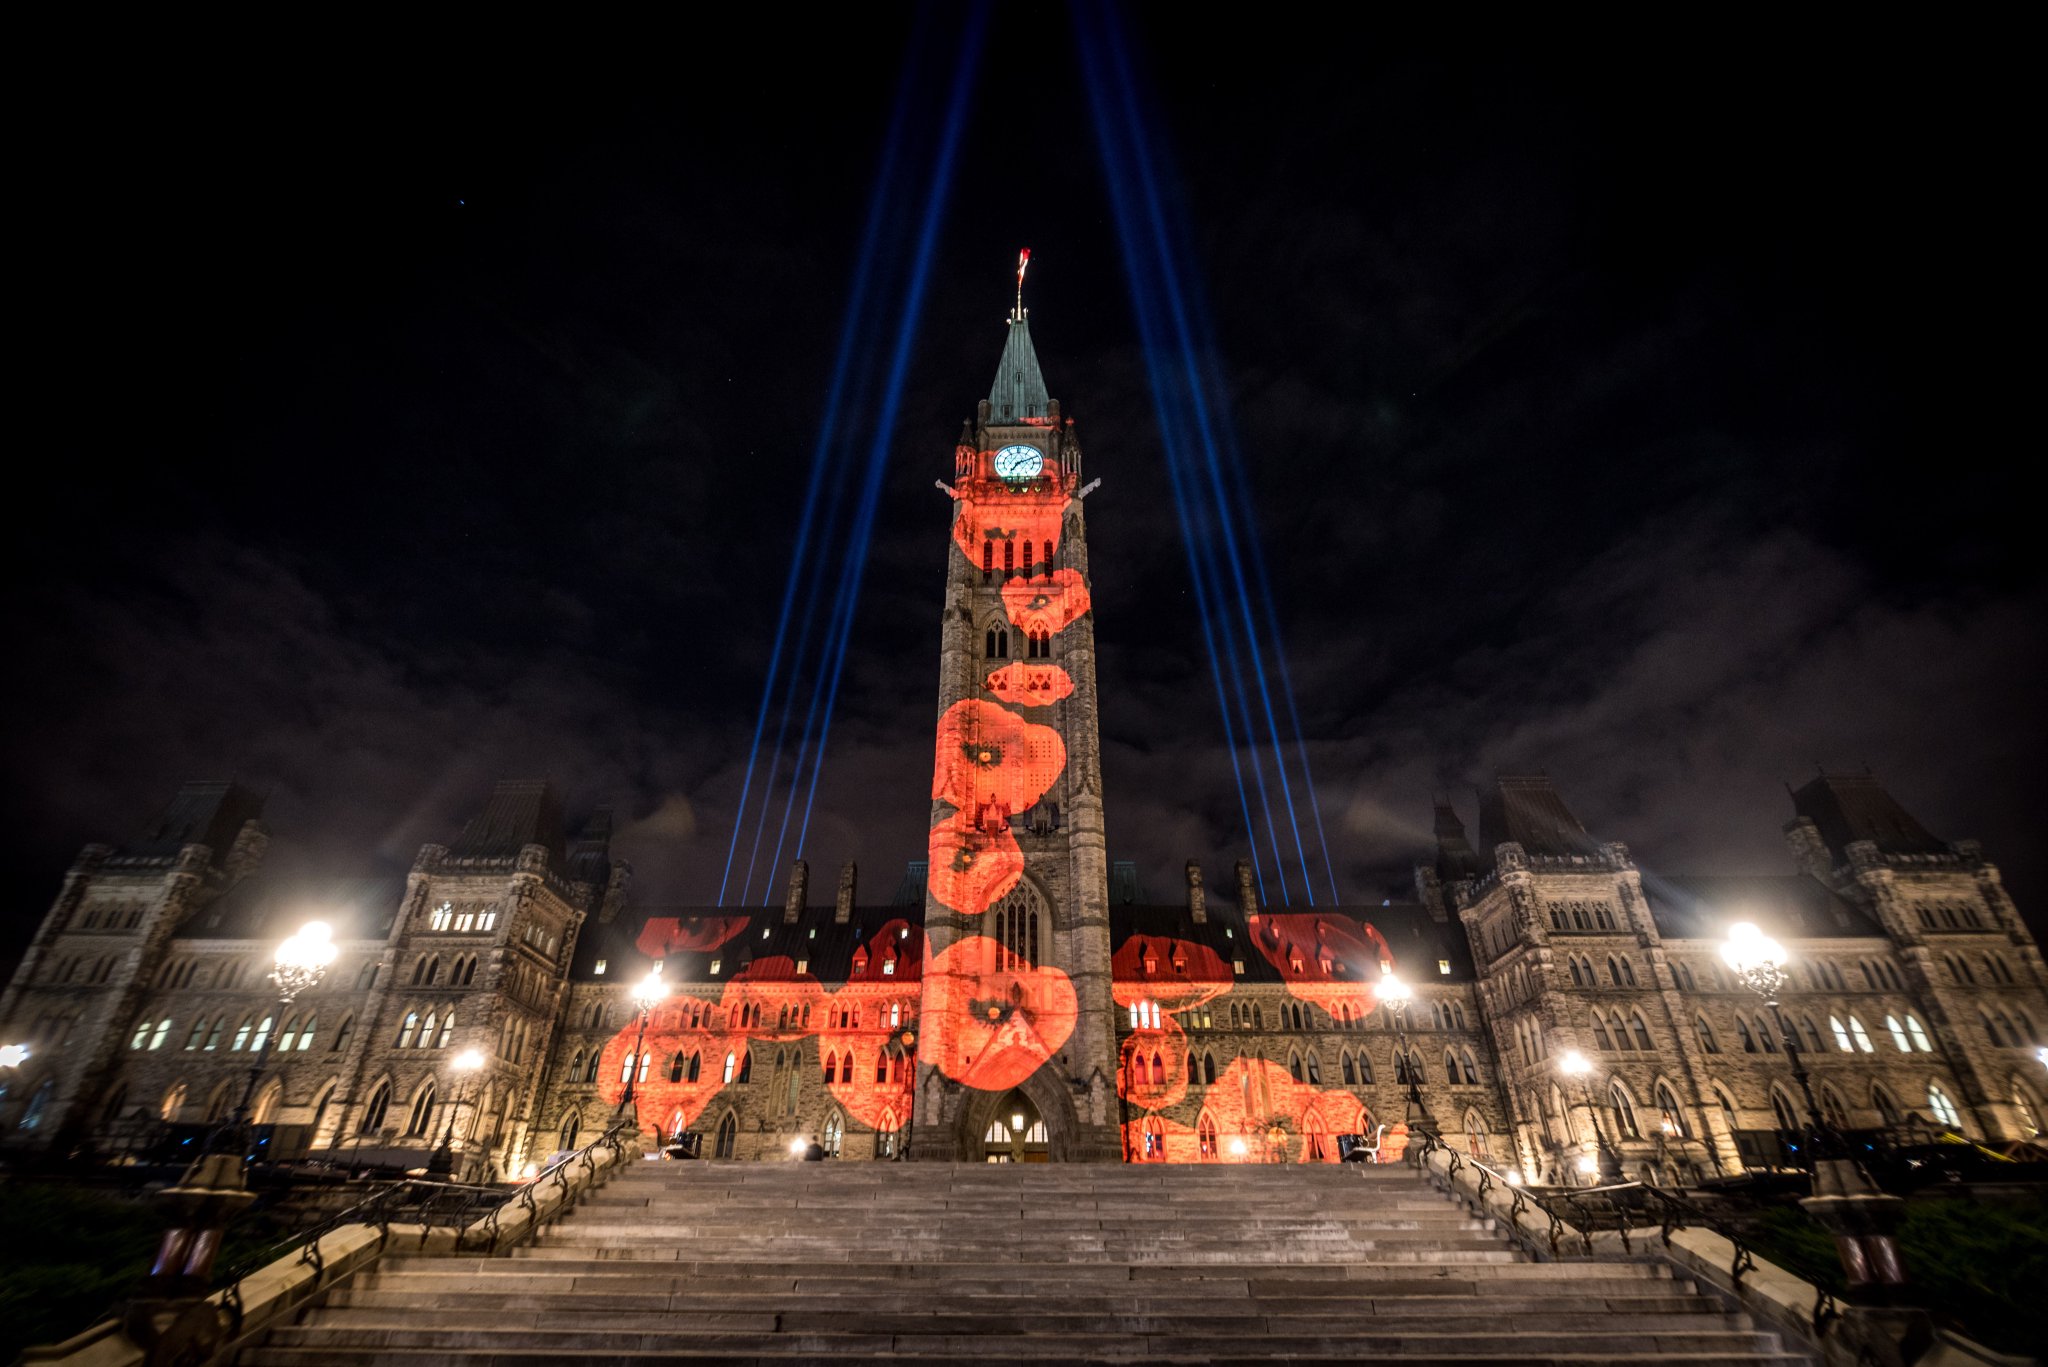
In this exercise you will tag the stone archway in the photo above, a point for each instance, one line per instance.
(1045, 1090)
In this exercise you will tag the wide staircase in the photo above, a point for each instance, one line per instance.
(817, 1262)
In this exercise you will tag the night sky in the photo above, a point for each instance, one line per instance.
(1643, 412)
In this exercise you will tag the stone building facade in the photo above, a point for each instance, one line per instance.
(1016, 997)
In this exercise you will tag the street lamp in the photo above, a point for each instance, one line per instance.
(646, 994)
(1863, 1220)
(13, 1055)
(1396, 996)
(1758, 963)
(1577, 1067)
(300, 964)
(442, 1161)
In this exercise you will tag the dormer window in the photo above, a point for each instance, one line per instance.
(599, 970)
(803, 965)
(764, 932)
(888, 968)
(1151, 964)
(1295, 963)
(714, 965)
(1443, 966)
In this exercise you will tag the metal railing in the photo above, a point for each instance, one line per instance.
(1629, 1210)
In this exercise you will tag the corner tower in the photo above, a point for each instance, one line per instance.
(1017, 1012)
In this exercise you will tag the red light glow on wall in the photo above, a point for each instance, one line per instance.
(1029, 685)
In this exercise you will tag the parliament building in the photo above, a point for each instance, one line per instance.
(1014, 997)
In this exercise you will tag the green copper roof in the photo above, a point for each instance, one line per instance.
(1019, 390)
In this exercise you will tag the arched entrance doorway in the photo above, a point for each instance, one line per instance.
(1016, 1133)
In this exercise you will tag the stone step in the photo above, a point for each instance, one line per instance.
(799, 1263)
(1345, 1282)
(491, 1305)
(1023, 1317)
(1361, 1341)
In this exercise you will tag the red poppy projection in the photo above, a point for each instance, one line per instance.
(1030, 685)
(1254, 1113)
(662, 936)
(990, 1021)
(1037, 606)
(695, 1049)
(1326, 961)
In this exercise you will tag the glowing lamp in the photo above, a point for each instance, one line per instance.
(797, 1147)
(1392, 989)
(1747, 946)
(1574, 1064)
(468, 1061)
(649, 991)
(302, 960)
(1589, 1165)
(1513, 1177)
(529, 1172)
(1237, 1149)
(13, 1055)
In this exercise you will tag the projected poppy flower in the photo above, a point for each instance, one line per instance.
(770, 1000)
(1152, 1066)
(665, 935)
(995, 517)
(1173, 974)
(684, 1070)
(869, 1070)
(1325, 959)
(989, 1026)
(1256, 1097)
(1030, 685)
(988, 755)
(969, 868)
(1036, 605)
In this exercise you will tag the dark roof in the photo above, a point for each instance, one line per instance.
(262, 908)
(1416, 940)
(210, 813)
(1528, 810)
(1788, 906)
(688, 939)
(520, 812)
(1852, 807)
(1019, 391)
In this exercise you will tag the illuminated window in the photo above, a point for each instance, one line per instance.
(1443, 966)
(442, 917)
(730, 1063)
(1624, 1111)
(1898, 1033)
(1841, 1035)
(1862, 1036)
(599, 970)
(1205, 1137)
(1943, 1108)
(1920, 1040)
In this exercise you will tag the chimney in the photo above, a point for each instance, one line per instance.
(1247, 897)
(799, 884)
(247, 851)
(1198, 907)
(843, 909)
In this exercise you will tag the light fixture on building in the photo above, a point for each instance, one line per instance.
(798, 1148)
(13, 1055)
(1237, 1149)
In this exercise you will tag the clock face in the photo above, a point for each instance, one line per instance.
(1019, 462)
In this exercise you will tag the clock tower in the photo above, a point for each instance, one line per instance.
(1017, 1017)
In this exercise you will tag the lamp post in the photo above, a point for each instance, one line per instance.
(300, 964)
(442, 1161)
(646, 994)
(1758, 963)
(1396, 996)
(1862, 1219)
(1577, 1067)
(12, 1056)
(168, 1315)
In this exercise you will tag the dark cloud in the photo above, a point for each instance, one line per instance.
(1648, 426)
